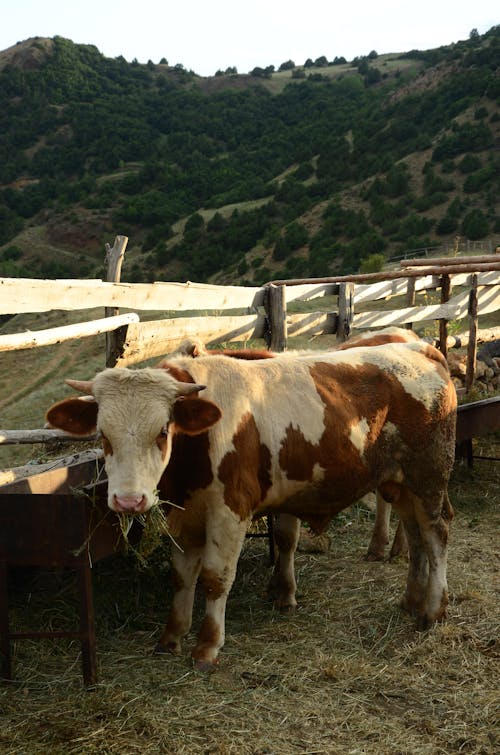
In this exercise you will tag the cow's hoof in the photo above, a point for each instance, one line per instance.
(423, 623)
(286, 609)
(174, 648)
(205, 667)
(373, 556)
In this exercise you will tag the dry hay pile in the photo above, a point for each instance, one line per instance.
(346, 674)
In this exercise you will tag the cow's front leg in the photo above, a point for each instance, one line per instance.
(282, 585)
(220, 559)
(185, 570)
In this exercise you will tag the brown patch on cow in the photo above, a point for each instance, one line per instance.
(106, 446)
(297, 455)
(180, 480)
(249, 354)
(246, 471)
(183, 376)
(213, 584)
(351, 394)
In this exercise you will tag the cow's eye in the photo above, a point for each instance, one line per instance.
(106, 446)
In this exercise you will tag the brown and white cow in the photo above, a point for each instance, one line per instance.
(302, 436)
(195, 348)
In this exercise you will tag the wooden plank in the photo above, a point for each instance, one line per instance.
(365, 292)
(56, 475)
(309, 291)
(20, 437)
(391, 274)
(478, 418)
(148, 340)
(311, 324)
(455, 309)
(449, 261)
(18, 295)
(32, 339)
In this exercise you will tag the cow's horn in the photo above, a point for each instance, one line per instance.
(184, 389)
(83, 386)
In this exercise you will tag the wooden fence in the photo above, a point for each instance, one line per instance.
(467, 287)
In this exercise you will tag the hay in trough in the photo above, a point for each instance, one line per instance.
(347, 673)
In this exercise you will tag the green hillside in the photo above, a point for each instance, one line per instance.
(310, 170)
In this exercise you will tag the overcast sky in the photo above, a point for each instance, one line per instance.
(207, 35)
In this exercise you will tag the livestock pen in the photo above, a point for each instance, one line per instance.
(347, 672)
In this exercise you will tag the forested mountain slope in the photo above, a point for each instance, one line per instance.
(309, 170)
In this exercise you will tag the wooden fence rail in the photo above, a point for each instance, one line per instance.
(218, 314)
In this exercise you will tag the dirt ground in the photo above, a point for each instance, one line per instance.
(347, 673)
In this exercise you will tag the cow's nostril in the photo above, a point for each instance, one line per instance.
(131, 504)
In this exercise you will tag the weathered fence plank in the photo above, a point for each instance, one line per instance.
(455, 308)
(154, 339)
(450, 261)
(19, 295)
(62, 469)
(44, 435)
(32, 339)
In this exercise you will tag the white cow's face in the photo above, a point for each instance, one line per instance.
(137, 413)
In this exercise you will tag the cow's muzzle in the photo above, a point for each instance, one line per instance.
(129, 504)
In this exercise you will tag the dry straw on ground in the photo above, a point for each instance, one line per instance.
(346, 674)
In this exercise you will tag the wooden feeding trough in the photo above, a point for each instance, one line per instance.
(476, 419)
(46, 521)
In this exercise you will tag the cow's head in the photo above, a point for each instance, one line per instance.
(137, 412)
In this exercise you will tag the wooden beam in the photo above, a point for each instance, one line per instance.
(20, 295)
(59, 472)
(450, 261)
(114, 260)
(392, 274)
(32, 339)
(45, 435)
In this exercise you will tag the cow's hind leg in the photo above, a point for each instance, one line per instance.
(426, 594)
(186, 567)
(282, 585)
(434, 530)
(220, 559)
(380, 535)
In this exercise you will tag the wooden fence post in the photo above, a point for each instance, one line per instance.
(443, 323)
(114, 259)
(275, 304)
(472, 346)
(346, 310)
(410, 297)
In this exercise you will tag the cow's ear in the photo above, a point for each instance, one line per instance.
(195, 415)
(77, 416)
